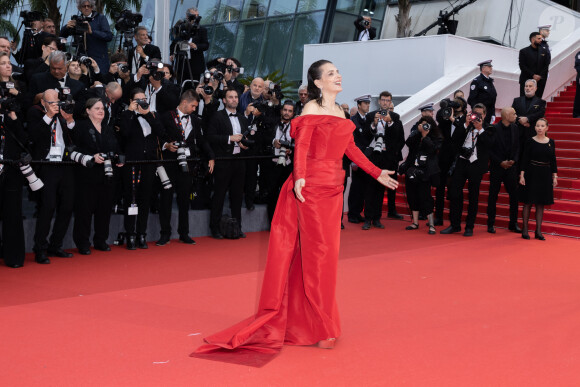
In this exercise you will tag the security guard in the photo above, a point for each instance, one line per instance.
(483, 91)
(546, 51)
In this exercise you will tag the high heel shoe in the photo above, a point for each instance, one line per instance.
(538, 235)
(525, 235)
(327, 344)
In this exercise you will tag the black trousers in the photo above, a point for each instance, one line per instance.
(419, 195)
(11, 215)
(464, 171)
(444, 181)
(250, 182)
(181, 185)
(279, 176)
(57, 194)
(92, 199)
(509, 178)
(139, 194)
(228, 177)
(373, 198)
(266, 179)
(356, 194)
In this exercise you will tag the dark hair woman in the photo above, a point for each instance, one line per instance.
(94, 189)
(297, 304)
(423, 170)
(538, 177)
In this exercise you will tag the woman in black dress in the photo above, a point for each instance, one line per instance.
(538, 176)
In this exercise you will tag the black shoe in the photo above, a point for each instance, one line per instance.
(187, 240)
(242, 235)
(42, 258)
(538, 235)
(216, 235)
(525, 235)
(438, 222)
(141, 242)
(58, 253)
(353, 220)
(412, 226)
(341, 226)
(163, 240)
(84, 251)
(14, 265)
(491, 229)
(378, 224)
(131, 242)
(251, 207)
(450, 230)
(394, 215)
(515, 228)
(432, 230)
(102, 246)
(468, 232)
(367, 225)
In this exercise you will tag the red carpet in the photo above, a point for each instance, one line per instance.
(416, 310)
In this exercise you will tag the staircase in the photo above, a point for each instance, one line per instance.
(563, 217)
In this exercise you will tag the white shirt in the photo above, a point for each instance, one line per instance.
(59, 137)
(282, 134)
(469, 143)
(151, 95)
(237, 129)
(364, 35)
(186, 123)
(145, 127)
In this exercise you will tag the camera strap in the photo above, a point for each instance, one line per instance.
(53, 131)
(135, 180)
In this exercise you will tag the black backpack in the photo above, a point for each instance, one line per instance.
(230, 227)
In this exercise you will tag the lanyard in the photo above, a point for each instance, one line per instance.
(135, 180)
(179, 125)
(53, 131)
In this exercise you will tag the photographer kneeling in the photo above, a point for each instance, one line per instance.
(422, 170)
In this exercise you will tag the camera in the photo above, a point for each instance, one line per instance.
(165, 182)
(127, 20)
(263, 106)
(448, 107)
(123, 67)
(85, 60)
(466, 152)
(82, 24)
(111, 158)
(276, 90)
(143, 103)
(284, 146)
(384, 112)
(154, 68)
(66, 102)
(193, 19)
(30, 16)
(207, 89)
(364, 23)
(182, 154)
(474, 116)
(218, 76)
(231, 68)
(8, 102)
(184, 30)
(426, 126)
(379, 143)
(247, 142)
(77, 157)
(24, 164)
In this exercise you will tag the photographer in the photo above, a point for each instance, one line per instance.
(282, 163)
(91, 32)
(33, 36)
(86, 72)
(40, 64)
(161, 94)
(209, 91)
(364, 30)
(385, 123)
(6, 46)
(56, 78)
(182, 130)
(422, 171)
(12, 140)
(140, 55)
(11, 89)
(94, 188)
(50, 130)
(231, 69)
(188, 47)
(141, 130)
(254, 95)
(470, 166)
(451, 121)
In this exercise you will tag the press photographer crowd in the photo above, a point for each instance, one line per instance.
(91, 135)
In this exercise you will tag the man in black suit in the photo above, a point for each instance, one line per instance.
(110, 94)
(504, 155)
(225, 135)
(364, 31)
(483, 91)
(182, 125)
(534, 63)
(50, 130)
(40, 65)
(471, 165)
(189, 61)
(362, 138)
(161, 94)
(143, 52)
(56, 78)
(529, 109)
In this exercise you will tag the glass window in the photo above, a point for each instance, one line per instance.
(179, 7)
(248, 44)
(343, 29)
(311, 5)
(282, 7)
(222, 43)
(306, 30)
(349, 6)
(375, 9)
(208, 10)
(275, 46)
(229, 10)
(255, 8)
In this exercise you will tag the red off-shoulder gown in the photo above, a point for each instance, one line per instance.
(297, 304)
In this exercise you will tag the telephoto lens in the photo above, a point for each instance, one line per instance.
(282, 156)
(108, 166)
(379, 142)
(165, 182)
(84, 160)
(33, 181)
(182, 156)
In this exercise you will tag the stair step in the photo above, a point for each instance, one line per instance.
(567, 153)
(564, 120)
(567, 162)
(561, 104)
(563, 136)
(563, 128)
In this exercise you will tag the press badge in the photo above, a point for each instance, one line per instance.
(55, 154)
(187, 152)
(133, 210)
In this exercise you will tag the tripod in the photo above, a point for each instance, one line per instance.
(181, 65)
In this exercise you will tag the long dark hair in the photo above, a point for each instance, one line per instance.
(434, 131)
(314, 73)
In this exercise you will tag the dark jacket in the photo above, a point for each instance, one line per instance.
(362, 133)
(167, 98)
(500, 149)
(536, 110)
(394, 139)
(41, 82)
(150, 50)
(483, 144)
(89, 142)
(197, 60)
(452, 143)
(425, 146)
(136, 145)
(534, 61)
(359, 27)
(483, 91)
(219, 130)
(196, 141)
(40, 132)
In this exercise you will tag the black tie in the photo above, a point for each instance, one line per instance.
(233, 115)
(185, 117)
(61, 80)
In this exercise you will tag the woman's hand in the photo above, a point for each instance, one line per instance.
(98, 158)
(522, 180)
(386, 180)
(555, 181)
(298, 185)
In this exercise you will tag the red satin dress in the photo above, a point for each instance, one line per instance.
(297, 304)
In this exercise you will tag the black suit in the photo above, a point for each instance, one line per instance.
(151, 51)
(40, 82)
(483, 91)
(356, 195)
(534, 61)
(533, 108)
(167, 97)
(228, 174)
(359, 28)
(505, 147)
(181, 181)
(58, 191)
(472, 172)
(196, 63)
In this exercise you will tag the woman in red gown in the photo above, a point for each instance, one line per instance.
(297, 304)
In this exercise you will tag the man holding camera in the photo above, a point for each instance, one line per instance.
(182, 130)
(161, 94)
(225, 137)
(364, 30)
(504, 155)
(385, 151)
(534, 61)
(56, 78)
(50, 130)
(91, 32)
(254, 95)
(40, 64)
(483, 91)
(188, 55)
(471, 164)
(144, 51)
